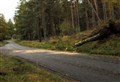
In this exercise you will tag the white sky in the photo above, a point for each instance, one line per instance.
(7, 7)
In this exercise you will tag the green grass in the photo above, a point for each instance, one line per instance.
(53, 44)
(16, 70)
(109, 46)
(2, 43)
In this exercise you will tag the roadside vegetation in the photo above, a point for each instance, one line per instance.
(108, 46)
(16, 70)
(2, 43)
(59, 24)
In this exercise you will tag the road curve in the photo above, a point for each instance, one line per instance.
(81, 67)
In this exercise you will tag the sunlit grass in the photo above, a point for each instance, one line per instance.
(109, 46)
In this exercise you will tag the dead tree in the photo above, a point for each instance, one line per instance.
(113, 28)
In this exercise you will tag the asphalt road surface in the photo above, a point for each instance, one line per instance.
(81, 67)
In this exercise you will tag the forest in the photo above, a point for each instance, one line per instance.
(41, 20)
(60, 41)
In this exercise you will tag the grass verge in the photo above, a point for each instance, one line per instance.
(16, 70)
(2, 43)
(109, 46)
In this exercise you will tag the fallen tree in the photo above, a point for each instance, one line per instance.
(104, 32)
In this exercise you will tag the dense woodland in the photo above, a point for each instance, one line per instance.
(6, 28)
(3, 27)
(41, 19)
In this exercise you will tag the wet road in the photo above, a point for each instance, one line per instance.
(81, 67)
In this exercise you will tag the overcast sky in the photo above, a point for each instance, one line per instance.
(7, 7)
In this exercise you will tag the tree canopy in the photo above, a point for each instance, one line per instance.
(3, 27)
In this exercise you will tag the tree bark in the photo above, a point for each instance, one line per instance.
(43, 22)
(96, 13)
(72, 14)
(87, 40)
(77, 9)
(86, 15)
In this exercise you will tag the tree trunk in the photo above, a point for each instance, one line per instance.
(96, 13)
(96, 6)
(39, 31)
(77, 9)
(87, 40)
(86, 15)
(104, 10)
(72, 14)
(93, 19)
(43, 22)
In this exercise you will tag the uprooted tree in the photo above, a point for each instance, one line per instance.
(106, 31)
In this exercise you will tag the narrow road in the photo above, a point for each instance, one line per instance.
(81, 67)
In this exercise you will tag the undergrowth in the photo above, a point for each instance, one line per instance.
(108, 46)
(2, 43)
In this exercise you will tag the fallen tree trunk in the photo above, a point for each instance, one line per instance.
(106, 31)
(87, 40)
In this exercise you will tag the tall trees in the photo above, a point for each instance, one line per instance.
(10, 28)
(41, 19)
(72, 13)
(97, 11)
(24, 20)
(3, 27)
(75, 14)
